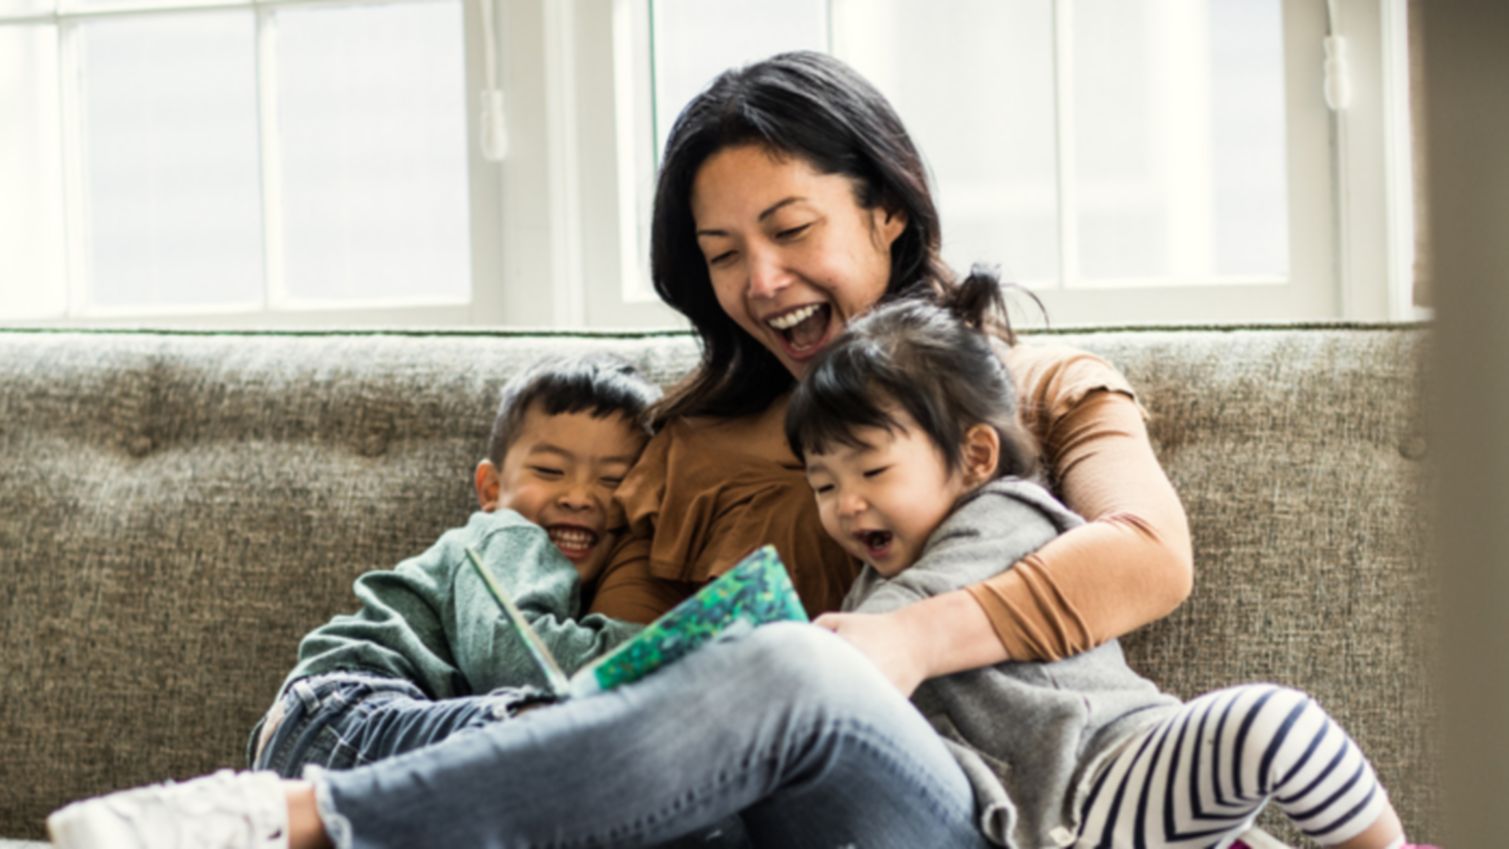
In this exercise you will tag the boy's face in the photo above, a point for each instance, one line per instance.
(559, 472)
(882, 501)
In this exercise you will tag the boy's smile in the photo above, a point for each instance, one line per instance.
(559, 473)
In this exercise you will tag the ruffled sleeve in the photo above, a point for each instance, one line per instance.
(1132, 562)
(700, 499)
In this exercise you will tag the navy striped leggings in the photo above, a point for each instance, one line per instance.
(1201, 776)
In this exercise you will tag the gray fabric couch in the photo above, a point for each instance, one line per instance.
(179, 508)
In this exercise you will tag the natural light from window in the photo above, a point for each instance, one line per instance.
(1092, 143)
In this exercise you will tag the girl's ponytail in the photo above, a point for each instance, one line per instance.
(979, 301)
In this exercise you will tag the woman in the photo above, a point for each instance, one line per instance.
(790, 192)
(791, 199)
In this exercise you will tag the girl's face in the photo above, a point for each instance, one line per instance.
(883, 500)
(791, 253)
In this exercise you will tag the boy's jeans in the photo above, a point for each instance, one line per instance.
(788, 727)
(344, 720)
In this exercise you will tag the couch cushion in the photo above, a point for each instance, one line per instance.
(181, 508)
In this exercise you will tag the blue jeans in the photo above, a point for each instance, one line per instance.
(345, 720)
(789, 728)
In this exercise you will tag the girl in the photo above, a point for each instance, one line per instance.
(908, 431)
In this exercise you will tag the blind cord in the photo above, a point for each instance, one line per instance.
(494, 125)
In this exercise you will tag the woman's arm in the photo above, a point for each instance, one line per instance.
(1129, 565)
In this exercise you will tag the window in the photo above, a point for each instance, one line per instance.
(1133, 161)
(232, 157)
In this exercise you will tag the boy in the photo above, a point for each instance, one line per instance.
(564, 436)
(429, 654)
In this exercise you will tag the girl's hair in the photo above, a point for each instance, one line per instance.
(805, 105)
(936, 360)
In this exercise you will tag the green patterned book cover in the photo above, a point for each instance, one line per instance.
(754, 592)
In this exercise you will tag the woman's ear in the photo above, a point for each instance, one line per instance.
(487, 482)
(982, 454)
(890, 223)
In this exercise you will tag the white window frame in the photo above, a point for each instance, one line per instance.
(1350, 231)
(275, 308)
(558, 239)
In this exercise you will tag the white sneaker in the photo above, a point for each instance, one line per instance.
(226, 810)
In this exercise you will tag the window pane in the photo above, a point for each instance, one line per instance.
(170, 111)
(31, 170)
(695, 40)
(1179, 121)
(978, 101)
(372, 118)
(24, 7)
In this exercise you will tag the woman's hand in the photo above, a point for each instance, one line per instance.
(887, 640)
(941, 635)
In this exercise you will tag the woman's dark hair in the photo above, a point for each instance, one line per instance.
(801, 104)
(601, 385)
(939, 362)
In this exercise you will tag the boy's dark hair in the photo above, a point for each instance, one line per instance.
(599, 384)
(936, 361)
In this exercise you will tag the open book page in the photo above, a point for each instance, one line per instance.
(755, 591)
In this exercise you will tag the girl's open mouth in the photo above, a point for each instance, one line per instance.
(877, 543)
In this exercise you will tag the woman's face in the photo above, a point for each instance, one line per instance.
(791, 253)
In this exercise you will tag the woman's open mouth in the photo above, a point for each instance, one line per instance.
(574, 541)
(804, 329)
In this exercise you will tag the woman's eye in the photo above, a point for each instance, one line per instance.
(720, 259)
(792, 232)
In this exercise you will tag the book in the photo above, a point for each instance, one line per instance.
(756, 591)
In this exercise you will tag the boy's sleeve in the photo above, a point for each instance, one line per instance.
(396, 631)
(546, 587)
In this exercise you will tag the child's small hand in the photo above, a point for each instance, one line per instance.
(887, 641)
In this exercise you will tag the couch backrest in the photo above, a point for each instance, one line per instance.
(179, 509)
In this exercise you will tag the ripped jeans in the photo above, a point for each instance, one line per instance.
(343, 720)
(788, 729)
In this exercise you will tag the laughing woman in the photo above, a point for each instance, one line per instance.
(790, 201)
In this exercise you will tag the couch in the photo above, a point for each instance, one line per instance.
(179, 507)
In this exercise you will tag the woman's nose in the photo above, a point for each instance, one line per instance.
(767, 275)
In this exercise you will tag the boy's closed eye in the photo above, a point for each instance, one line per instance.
(547, 471)
(876, 472)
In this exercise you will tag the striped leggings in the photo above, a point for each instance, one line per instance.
(1200, 777)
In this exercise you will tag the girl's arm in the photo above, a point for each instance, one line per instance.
(1129, 565)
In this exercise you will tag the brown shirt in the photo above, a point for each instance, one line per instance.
(708, 491)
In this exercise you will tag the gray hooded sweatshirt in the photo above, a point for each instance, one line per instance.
(1027, 735)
